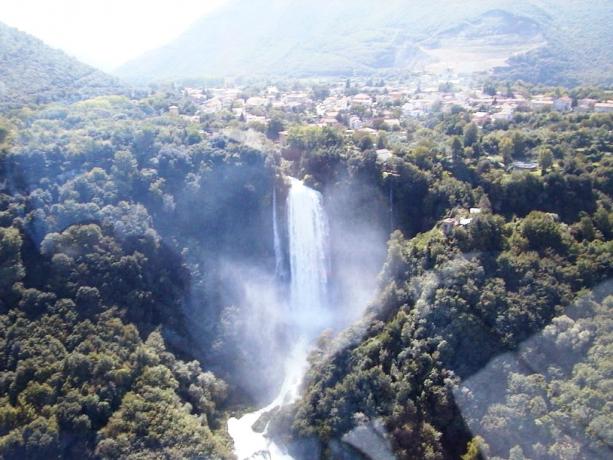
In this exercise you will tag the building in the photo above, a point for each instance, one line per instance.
(586, 105)
(272, 91)
(384, 155)
(604, 107)
(506, 114)
(255, 119)
(418, 107)
(355, 122)
(191, 118)
(196, 95)
(367, 131)
(563, 104)
(329, 121)
(173, 111)
(212, 106)
(447, 225)
(283, 138)
(296, 99)
(525, 165)
(541, 103)
(396, 96)
(392, 123)
(255, 102)
(481, 118)
(362, 100)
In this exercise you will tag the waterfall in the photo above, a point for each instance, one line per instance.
(391, 205)
(307, 312)
(276, 238)
(308, 236)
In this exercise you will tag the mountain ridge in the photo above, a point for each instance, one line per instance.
(295, 38)
(33, 72)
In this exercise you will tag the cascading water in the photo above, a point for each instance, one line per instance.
(307, 314)
(308, 238)
(276, 238)
(391, 205)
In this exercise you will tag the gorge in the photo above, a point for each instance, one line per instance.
(306, 310)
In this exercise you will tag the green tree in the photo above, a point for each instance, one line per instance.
(273, 128)
(490, 89)
(11, 265)
(365, 143)
(320, 92)
(152, 422)
(545, 160)
(471, 134)
(457, 151)
(124, 170)
(506, 150)
(603, 220)
(4, 133)
(541, 231)
(474, 449)
(519, 145)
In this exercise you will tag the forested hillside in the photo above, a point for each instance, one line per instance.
(124, 331)
(565, 43)
(490, 338)
(33, 73)
(95, 281)
(136, 235)
(422, 364)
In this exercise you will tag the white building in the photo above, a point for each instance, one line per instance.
(481, 118)
(256, 102)
(212, 106)
(604, 107)
(384, 155)
(363, 100)
(503, 115)
(355, 122)
(586, 105)
(541, 103)
(563, 104)
(392, 123)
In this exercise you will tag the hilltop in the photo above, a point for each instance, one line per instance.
(544, 41)
(32, 72)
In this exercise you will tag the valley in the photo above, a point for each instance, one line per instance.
(312, 231)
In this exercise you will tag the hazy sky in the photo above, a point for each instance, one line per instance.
(104, 33)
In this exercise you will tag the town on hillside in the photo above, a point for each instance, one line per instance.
(360, 104)
(378, 112)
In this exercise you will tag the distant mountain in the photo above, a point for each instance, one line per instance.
(32, 72)
(561, 41)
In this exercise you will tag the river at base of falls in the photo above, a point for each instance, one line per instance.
(307, 313)
(249, 444)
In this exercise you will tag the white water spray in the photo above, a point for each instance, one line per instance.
(307, 314)
(276, 238)
(308, 239)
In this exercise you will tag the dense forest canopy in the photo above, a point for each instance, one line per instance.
(115, 220)
(137, 253)
(33, 73)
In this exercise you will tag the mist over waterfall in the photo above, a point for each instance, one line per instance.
(276, 237)
(307, 312)
(309, 264)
